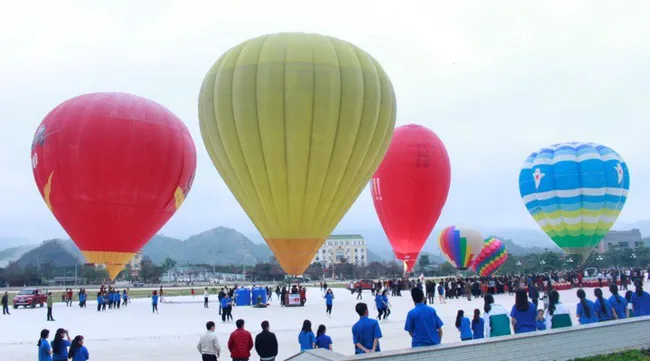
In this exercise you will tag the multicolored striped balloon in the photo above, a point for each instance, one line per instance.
(460, 245)
(491, 258)
(575, 192)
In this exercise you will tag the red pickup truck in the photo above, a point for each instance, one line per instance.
(30, 297)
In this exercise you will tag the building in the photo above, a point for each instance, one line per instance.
(337, 248)
(621, 239)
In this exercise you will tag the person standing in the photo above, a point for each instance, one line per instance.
(266, 344)
(44, 348)
(464, 326)
(366, 332)
(225, 308)
(322, 340)
(422, 322)
(240, 343)
(585, 309)
(208, 345)
(206, 295)
(78, 352)
(220, 296)
(306, 337)
(496, 318)
(640, 300)
(557, 315)
(5, 304)
(523, 313)
(478, 325)
(50, 303)
(60, 345)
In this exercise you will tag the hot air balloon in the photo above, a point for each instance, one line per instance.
(491, 258)
(460, 245)
(410, 188)
(112, 168)
(575, 192)
(296, 124)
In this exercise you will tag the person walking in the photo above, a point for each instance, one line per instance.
(206, 296)
(240, 343)
(422, 322)
(50, 303)
(366, 332)
(154, 302)
(266, 344)
(208, 345)
(5, 304)
(329, 301)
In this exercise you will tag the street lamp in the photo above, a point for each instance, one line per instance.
(599, 258)
(542, 262)
(518, 263)
(633, 256)
(570, 260)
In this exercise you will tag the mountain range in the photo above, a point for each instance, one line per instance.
(226, 246)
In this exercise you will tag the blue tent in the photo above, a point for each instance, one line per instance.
(258, 292)
(243, 297)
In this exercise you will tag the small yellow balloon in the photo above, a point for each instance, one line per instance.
(296, 124)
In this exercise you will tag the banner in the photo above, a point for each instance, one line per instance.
(294, 299)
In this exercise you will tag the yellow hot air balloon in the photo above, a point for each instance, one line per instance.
(296, 124)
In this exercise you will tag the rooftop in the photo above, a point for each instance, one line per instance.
(345, 236)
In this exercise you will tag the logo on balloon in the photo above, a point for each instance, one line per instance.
(537, 176)
(39, 136)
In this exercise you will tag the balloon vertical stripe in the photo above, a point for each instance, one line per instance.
(460, 245)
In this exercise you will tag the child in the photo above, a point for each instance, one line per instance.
(463, 325)
(478, 325)
(540, 321)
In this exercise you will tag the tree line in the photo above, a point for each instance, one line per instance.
(151, 272)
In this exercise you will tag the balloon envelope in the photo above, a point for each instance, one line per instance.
(575, 192)
(296, 124)
(112, 168)
(410, 188)
(460, 245)
(491, 258)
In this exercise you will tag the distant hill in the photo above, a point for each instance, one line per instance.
(53, 251)
(13, 254)
(220, 245)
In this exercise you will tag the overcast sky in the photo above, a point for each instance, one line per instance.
(494, 79)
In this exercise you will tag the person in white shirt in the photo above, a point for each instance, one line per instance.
(208, 345)
(206, 294)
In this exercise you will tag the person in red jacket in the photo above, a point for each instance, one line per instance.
(240, 343)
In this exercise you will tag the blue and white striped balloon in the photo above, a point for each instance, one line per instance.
(575, 192)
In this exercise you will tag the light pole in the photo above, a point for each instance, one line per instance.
(518, 263)
(570, 261)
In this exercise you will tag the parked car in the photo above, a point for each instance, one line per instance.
(365, 284)
(30, 297)
(138, 284)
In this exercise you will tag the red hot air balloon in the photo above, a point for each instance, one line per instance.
(112, 168)
(410, 188)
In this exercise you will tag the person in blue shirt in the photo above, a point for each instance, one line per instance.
(60, 345)
(154, 301)
(379, 303)
(422, 322)
(441, 293)
(384, 297)
(225, 307)
(540, 321)
(640, 300)
(322, 340)
(366, 332)
(306, 337)
(100, 300)
(463, 325)
(522, 315)
(603, 308)
(44, 349)
(125, 298)
(78, 352)
(329, 301)
(478, 325)
(585, 309)
(618, 302)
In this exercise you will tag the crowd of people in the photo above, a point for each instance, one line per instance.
(537, 306)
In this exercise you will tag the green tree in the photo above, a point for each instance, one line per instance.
(168, 264)
(423, 263)
(149, 272)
